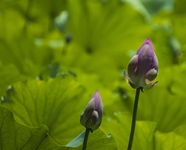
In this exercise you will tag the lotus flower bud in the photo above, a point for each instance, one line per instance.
(92, 116)
(143, 67)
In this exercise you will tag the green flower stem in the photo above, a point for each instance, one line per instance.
(85, 139)
(134, 118)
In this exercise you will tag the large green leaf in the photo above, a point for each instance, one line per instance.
(166, 100)
(15, 136)
(56, 103)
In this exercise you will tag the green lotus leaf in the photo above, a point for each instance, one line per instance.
(169, 141)
(16, 136)
(165, 101)
(56, 103)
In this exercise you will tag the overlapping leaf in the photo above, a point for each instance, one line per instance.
(55, 103)
(16, 136)
(165, 103)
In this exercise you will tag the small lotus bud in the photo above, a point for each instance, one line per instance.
(92, 116)
(143, 67)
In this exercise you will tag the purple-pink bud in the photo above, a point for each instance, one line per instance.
(92, 116)
(143, 67)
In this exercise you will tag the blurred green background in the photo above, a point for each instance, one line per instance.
(55, 54)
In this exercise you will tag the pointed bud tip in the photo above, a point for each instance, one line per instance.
(96, 95)
(148, 40)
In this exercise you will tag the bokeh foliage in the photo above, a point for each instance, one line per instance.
(55, 54)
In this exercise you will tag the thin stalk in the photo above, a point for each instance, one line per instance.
(134, 118)
(85, 139)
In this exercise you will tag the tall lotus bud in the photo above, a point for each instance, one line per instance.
(143, 67)
(92, 116)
